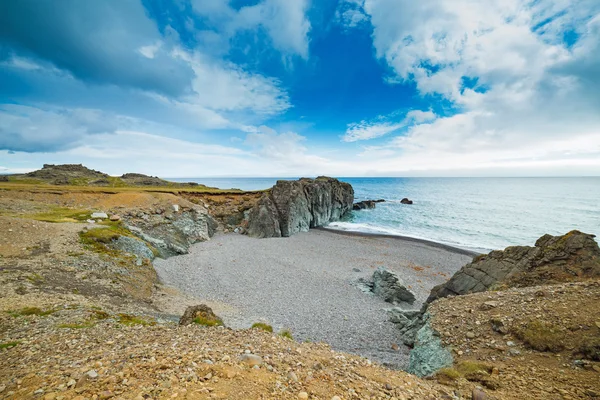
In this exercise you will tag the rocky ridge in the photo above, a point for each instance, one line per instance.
(296, 206)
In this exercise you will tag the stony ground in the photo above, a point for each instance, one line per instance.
(484, 328)
(308, 283)
(76, 324)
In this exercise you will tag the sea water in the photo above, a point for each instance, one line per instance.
(480, 214)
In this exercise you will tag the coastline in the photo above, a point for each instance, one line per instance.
(309, 283)
(426, 242)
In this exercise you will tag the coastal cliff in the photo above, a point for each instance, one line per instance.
(296, 206)
(553, 259)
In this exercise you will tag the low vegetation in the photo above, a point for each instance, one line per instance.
(590, 348)
(263, 326)
(130, 320)
(541, 336)
(286, 333)
(31, 311)
(82, 325)
(206, 321)
(61, 214)
(8, 345)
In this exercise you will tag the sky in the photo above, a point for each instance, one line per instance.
(275, 88)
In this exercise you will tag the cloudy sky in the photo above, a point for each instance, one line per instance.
(193, 88)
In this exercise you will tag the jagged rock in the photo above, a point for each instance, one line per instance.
(263, 220)
(406, 201)
(366, 204)
(133, 246)
(201, 313)
(575, 255)
(429, 355)
(388, 286)
(296, 206)
(408, 323)
(173, 234)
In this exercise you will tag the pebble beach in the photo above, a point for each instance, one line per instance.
(307, 283)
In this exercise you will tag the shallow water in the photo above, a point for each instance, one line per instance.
(474, 213)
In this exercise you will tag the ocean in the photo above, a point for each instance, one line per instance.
(479, 214)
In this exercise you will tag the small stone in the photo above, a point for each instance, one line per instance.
(303, 395)
(470, 335)
(92, 374)
(488, 305)
(251, 359)
(115, 217)
(478, 394)
(2, 388)
(510, 343)
(292, 376)
(107, 394)
(39, 391)
(72, 382)
(336, 398)
(388, 386)
(395, 347)
(50, 396)
(225, 358)
(99, 215)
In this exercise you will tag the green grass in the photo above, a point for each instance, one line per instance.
(208, 321)
(82, 325)
(36, 279)
(263, 326)
(8, 345)
(447, 374)
(467, 368)
(61, 214)
(31, 311)
(286, 333)
(131, 320)
(541, 337)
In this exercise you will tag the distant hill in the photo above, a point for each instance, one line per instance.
(79, 175)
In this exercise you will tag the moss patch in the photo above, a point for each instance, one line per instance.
(541, 337)
(82, 325)
(263, 326)
(61, 214)
(130, 320)
(31, 311)
(8, 345)
(286, 333)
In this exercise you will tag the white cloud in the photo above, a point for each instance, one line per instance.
(350, 13)
(526, 90)
(382, 125)
(284, 21)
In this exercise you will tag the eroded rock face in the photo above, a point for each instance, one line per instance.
(573, 256)
(366, 204)
(296, 206)
(390, 288)
(173, 233)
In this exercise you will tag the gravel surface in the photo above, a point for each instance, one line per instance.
(306, 283)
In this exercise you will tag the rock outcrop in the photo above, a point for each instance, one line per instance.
(390, 288)
(296, 206)
(429, 354)
(573, 256)
(406, 201)
(366, 204)
(201, 315)
(172, 233)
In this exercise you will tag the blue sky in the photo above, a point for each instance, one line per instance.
(191, 88)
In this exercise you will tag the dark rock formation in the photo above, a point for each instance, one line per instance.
(201, 314)
(296, 206)
(572, 256)
(388, 286)
(408, 322)
(366, 204)
(172, 233)
(406, 201)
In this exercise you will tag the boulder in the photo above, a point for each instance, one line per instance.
(296, 206)
(366, 204)
(99, 215)
(573, 256)
(201, 314)
(406, 201)
(387, 285)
